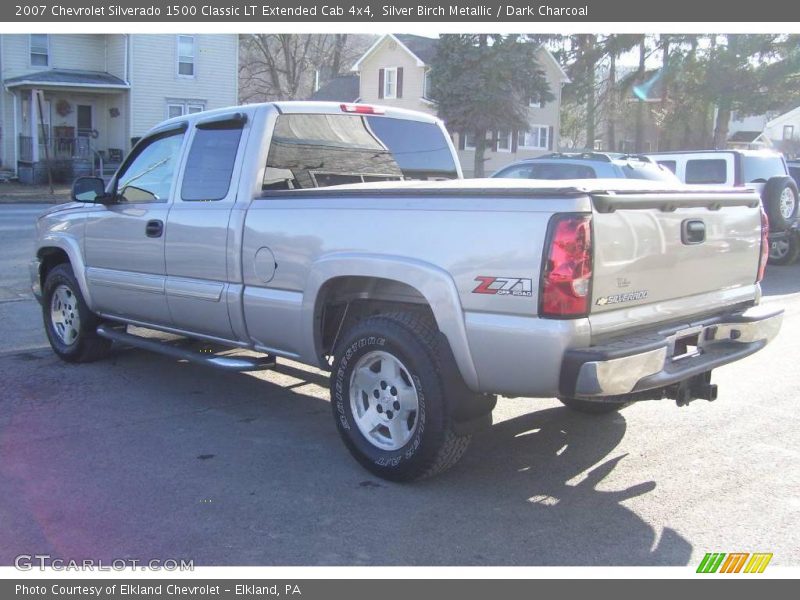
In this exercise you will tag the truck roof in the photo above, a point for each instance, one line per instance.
(742, 151)
(298, 107)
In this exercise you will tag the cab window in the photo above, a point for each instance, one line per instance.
(209, 166)
(148, 174)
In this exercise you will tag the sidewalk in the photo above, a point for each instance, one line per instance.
(34, 194)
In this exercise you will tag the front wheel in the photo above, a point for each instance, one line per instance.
(389, 399)
(68, 322)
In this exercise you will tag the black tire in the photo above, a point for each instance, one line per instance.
(434, 445)
(87, 346)
(771, 198)
(784, 250)
(591, 407)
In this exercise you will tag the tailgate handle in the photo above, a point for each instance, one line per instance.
(693, 231)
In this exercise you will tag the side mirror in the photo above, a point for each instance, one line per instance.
(89, 189)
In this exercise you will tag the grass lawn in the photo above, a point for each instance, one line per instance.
(18, 192)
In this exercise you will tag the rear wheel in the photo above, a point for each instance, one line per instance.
(592, 407)
(68, 322)
(784, 250)
(780, 202)
(389, 399)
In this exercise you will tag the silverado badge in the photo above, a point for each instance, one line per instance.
(620, 298)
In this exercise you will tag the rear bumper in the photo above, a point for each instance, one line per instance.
(648, 362)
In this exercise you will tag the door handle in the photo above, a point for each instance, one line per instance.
(154, 228)
(693, 231)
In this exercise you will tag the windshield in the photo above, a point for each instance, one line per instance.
(320, 150)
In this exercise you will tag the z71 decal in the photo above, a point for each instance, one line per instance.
(504, 286)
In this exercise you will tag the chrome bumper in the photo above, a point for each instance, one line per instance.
(649, 361)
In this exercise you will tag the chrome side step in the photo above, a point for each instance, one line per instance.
(228, 363)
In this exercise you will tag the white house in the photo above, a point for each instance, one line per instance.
(395, 71)
(776, 130)
(784, 132)
(83, 99)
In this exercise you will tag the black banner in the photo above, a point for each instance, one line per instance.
(399, 11)
(385, 589)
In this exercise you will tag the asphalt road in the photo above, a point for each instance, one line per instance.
(140, 456)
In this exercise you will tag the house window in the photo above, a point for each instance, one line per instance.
(174, 110)
(788, 132)
(39, 50)
(536, 103)
(536, 137)
(390, 82)
(504, 141)
(426, 85)
(178, 108)
(186, 51)
(469, 141)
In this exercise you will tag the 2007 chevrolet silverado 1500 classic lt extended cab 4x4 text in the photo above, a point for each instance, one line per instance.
(290, 229)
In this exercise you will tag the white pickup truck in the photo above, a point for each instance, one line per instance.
(291, 230)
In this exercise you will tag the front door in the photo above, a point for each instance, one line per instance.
(85, 120)
(202, 254)
(124, 241)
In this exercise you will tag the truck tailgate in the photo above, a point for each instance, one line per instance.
(655, 248)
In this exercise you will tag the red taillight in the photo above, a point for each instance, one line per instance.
(762, 261)
(567, 274)
(361, 109)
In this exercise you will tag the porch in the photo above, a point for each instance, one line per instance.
(71, 123)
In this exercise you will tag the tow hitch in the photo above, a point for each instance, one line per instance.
(698, 387)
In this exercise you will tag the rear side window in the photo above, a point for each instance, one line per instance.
(209, 167)
(669, 164)
(515, 172)
(542, 170)
(706, 170)
(760, 169)
(309, 151)
(649, 171)
(561, 171)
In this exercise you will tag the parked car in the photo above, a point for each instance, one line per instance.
(424, 299)
(794, 170)
(586, 165)
(763, 170)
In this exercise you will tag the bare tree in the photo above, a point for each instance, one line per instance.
(284, 66)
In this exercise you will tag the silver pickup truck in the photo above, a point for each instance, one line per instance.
(293, 230)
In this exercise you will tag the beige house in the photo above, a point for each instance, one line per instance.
(82, 100)
(395, 71)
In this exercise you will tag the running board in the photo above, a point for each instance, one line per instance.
(228, 363)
